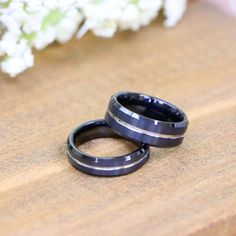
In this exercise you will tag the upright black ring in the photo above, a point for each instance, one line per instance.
(146, 119)
(103, 166)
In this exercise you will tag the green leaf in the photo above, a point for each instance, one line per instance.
(53, 18)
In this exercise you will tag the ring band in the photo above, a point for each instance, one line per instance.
(146, 119)
(103, 166)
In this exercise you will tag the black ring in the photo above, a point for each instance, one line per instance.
(146, 119)
(103, 166)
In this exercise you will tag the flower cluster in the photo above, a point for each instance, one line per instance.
(27, 24)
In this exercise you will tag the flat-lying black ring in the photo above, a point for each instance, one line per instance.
(146, 119)
(103, 166)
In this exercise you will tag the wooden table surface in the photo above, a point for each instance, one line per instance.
(187, 190)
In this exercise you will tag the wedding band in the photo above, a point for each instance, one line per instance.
(146, 119)
(103, 166)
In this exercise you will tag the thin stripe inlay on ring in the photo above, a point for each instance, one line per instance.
(142, 131)
(108, 168)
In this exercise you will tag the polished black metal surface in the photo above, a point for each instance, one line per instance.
(146, 119)
(104, 166)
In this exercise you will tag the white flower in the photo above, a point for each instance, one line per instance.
(139, 14)
(130, 18)
(57, 25)
(44, 38)
(104, 17)
(173, 11)
(19, 61)
(68, 25)
(100, 17)
(27, 24)
(8, 44)
(149, 10)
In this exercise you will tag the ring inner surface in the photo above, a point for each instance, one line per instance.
(150, 107)
(95, 132)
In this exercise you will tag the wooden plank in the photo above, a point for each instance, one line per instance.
(188, 190)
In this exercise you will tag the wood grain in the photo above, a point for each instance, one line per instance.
(187, 190)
